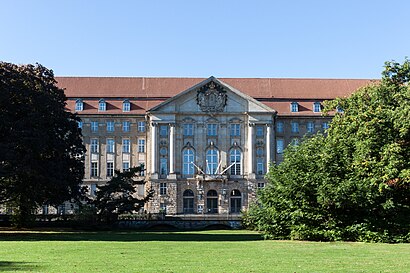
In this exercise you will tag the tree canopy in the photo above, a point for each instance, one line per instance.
(41, 148)
(353, 183)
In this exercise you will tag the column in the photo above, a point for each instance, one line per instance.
(268, 134)
(250, 148)
(153, 148)
(171, 148)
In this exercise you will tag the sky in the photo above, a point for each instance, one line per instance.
(221, 38)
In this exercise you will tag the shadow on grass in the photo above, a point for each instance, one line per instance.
(129, 236)
(18, 266)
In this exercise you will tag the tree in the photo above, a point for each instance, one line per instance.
(118, 196)
(41, 148)
(354, 183)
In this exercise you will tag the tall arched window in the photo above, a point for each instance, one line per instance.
(187, 162)
(188, 201)
(235, 159)
(236, 201)
(212, 201)
(126, 106)
(211, 161)
(102, 106)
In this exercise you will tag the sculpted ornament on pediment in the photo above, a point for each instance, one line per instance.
(211, 98)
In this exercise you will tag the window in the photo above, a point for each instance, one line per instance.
(259, 131)
(317, 107)
(188, 203)
(325, 125)
(110, 169)
(236, 201)
(126, 126)
(295, 127)
(259, 152)
(339, 109)
(212, 129)
(102, 106)
(79, 105)
(110, 145)
(294, 141)
(126, 106)
(163, 130)
(188, 129)
(211, 161)
(235, 129)
(93, 189)
(235, 159)
(94, 169)
(110, 126)
(80, 124)
(125, 166)
(163, 166)
(187, 162)
(279, 127)
(126, 145)
(94, 126)
(162, 188)
(294, 107)
(141, 126)
(261, 185)
(280, 145)
(94, 145)
(260, 165)
(310, 126)
(141, 145)
(212, 201)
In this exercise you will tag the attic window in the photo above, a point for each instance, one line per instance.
(294, 107)
(102, 106)
(79, 105)
(126, 106)
(317, 107)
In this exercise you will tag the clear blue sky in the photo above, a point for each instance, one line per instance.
(194, 38)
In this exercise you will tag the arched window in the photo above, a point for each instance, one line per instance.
(102, 106)
(187, 162)
(212, 201)
(236, 201)
(235, 159)
(188, 201)
(211, 161)
(126, 106)
(79, 106)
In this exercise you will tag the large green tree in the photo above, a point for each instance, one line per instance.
(41, 148)
(353, 183)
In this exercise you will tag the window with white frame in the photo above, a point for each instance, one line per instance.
(110, 169)
(187, 162)
(339, 109)
(280, 145)
(102, 106)
(188, 129)
(235, 159)
(294, 141)
(126, 126)
(310, 126)
(212, 129)
(211, 161)
(141, 145)
(126, 145)
(317, 107)
(94, 169)
(280, 128)
(294, 127)
(325, 125)
(110, 145)
(110, 126)
(79, 105)
(141, 126)
(235, 129)
(261, 185)
(260, 165)
(126, 106)
(259, 131)
(162, 188)
(94, 126)
(125, 166)
(294, 107)
(94, 147)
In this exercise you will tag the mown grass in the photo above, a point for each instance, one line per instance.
(200, 251)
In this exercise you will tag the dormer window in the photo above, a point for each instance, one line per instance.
(317, 107)
(126, 106)
(339, 109)
(102, 106)
(79, 105)
(294, 107)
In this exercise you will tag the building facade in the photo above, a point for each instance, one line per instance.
(206, 144)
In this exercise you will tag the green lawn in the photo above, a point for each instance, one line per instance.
(201, 251)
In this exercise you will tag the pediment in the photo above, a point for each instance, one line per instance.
(211, 96)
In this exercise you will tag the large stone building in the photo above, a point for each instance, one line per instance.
(206, 143)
